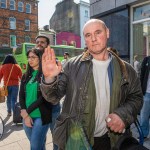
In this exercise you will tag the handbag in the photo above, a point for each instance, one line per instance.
(128, 142)
(4, 90)
(2, 98)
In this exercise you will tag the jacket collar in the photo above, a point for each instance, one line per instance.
(87, 56)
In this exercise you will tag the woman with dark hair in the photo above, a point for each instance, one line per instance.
(35, 110)
(11, 74)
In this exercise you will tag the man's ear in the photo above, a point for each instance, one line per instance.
(108, 33)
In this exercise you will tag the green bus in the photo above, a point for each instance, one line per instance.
(61, 49)
(20, 53)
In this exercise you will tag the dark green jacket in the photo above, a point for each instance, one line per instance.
(76, 82)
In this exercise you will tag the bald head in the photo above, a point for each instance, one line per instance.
(94, 21)
(96, 35)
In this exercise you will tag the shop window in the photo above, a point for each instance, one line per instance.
(27, 25)
(141, 39)
(118, 24)
(141, 12)
(64, 42)
(3, 3)
(28, 8)
(20, 6)
(73, 43)
(12, 22)
(12, 5)
(12, 40)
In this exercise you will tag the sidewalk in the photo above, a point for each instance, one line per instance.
(14, 137)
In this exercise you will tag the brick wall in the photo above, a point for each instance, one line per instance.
(19, 32)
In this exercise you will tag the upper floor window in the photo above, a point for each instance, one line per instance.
(12, 40)
(12, 5)
(86, 13)
(12, 21)
(27, 25)
(73, 43)
(3, 3)
(64, 42)
(27, 39)
(20, 6)
(28, 8)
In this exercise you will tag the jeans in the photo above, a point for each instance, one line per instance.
(12, 97)
(36, 134)
(145, 114)
(55, 114)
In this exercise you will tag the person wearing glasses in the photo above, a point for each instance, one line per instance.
(35, 110)
(102, 92)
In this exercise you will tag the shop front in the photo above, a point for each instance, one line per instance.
(140, 31)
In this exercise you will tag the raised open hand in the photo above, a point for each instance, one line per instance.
(49, 66)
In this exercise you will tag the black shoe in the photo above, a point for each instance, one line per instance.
(143, 138)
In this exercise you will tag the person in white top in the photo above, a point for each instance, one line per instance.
(102, 93)
(66, 58)
(137, 65)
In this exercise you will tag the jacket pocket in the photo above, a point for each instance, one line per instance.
(60, 132)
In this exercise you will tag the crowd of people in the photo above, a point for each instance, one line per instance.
(102, 93)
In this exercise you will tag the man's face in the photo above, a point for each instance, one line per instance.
(41, 43)
(96, 35)
(65, 56)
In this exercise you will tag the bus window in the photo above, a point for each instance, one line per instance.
(28, 47)
(18, 50)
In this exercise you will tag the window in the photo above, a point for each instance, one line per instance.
(27, 39)
(141, 12)
(12, 40)
(64, 42)
(73, 43)
(27, 25)
(20, 6)
(12, 21)
(86, 13)
(28, 8)
(3, 3)
(12, 5)
(119, 38)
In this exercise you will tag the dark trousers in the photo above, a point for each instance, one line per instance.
(102, 143)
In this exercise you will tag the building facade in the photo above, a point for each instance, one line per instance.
(68, 38)
(66, 17)
(51, 34)
(18, 22)
(84, 13)
(70, 17)
(129, 24)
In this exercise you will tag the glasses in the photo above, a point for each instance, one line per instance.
(32, 58)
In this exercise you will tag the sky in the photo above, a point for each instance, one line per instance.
(46, 10)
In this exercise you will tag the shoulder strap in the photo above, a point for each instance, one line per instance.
(9, 74)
